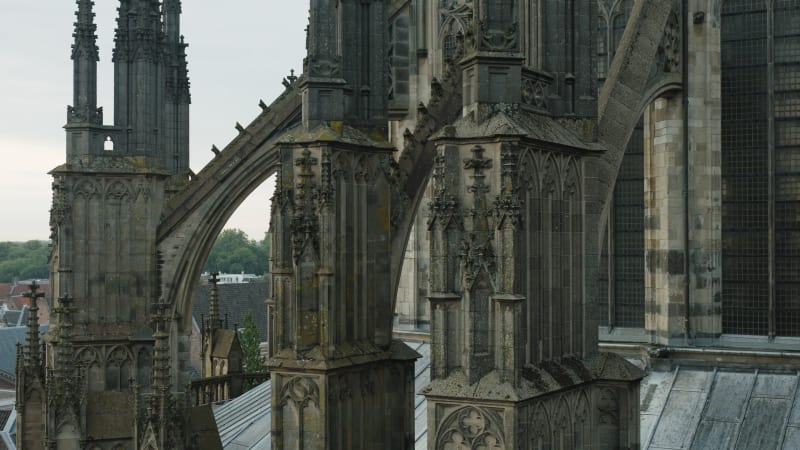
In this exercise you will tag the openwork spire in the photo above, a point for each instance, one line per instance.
(85, 44)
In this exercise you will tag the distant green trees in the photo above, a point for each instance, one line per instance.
(235, 252)
(24, 260)
(248, 338)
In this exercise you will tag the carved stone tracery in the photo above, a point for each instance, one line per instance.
(471, 428)
(669, 50)
(300, 390)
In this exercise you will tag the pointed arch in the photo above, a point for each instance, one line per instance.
(144, 367)
(582, 422)
(562, 426)
(454, 21)
(573, 261)
(540, 437)
(89, 361)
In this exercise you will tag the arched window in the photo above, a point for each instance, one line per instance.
(760, 167)
(449, 45)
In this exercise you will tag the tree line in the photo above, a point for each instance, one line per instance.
(233, 252)
(24, 260)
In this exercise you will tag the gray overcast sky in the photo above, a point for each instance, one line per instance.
(239, 51)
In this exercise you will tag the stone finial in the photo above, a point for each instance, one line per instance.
(64, 312)
(85, 55)
(161, 349)
(85, 44)
(290, 80)
(497, 26)
(213, 304)
(32, 356)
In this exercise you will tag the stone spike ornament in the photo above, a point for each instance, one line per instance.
(85, 55)
(85, 44)
(330, 312)
(511, 281)
(214, 322)
(33, 360)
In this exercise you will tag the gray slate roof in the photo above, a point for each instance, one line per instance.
(244, 422)
(236, 300)
(719, 409)
(9, 337)
(15, 318)
(689, 408)
(4, 415)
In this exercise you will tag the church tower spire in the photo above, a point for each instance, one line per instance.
(172, 20)
(138, 76)
(84, 60)
(345, 76)
(151, 83)
(175, 139)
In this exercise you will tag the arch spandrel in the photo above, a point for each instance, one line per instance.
(194, 217)
(652, 36)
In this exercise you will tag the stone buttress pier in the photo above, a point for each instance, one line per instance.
(513, 354)
(338, 379)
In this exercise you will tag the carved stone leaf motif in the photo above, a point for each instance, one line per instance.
(117, 190)
(87, 357)
(87, 189)
(540, 437)
(608, 406)
(534, 93)
(141, 190)
(476, 256)
(507, 204)
(322, 67)
(283, 198)
(608, 425)
(471, 428)
(582, 409)
(571, 180)
(550, 181)
(300, 390)
(119, 356)
(528, 173)
(499, 40)
(105, 163)
(326, 191)
(397, 179)
(305, 226)
(563, 419)
(60, 209)
(669, 51)
(367, 385)
(445, 210)
(454, 17)
(365, 170)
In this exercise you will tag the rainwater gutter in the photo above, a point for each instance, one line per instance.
(704, 351)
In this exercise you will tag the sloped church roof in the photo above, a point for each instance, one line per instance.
(703, 408)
